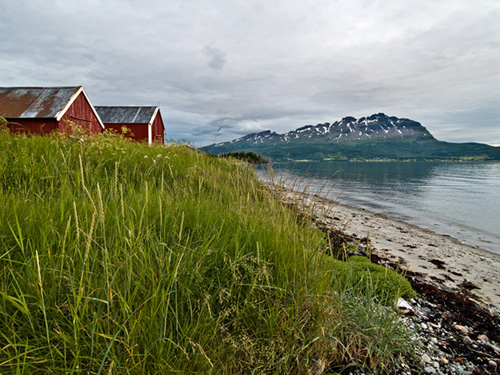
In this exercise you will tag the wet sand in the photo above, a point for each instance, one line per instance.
(441, 260)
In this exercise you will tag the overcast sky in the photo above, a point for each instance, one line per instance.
(224, 68)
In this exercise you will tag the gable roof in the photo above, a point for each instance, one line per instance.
(40, 102)
(127, 115)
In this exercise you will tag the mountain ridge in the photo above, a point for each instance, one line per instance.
(350, 129)
(374, 137)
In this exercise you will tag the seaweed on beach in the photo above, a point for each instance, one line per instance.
(341, 245)
(447, 308)
(439, 305)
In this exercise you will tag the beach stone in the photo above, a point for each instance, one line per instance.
(461, 328)
(429, 370)
(426, 359)
(483, 338)
(494, 347)
(404, 307)
(468, 340)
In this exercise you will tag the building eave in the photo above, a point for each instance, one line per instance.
(78, 91)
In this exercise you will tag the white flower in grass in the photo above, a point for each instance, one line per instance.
(145, 156)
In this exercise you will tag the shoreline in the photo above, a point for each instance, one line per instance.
(472, 237)
(439, 259)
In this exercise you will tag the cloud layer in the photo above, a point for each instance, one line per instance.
(222, 69)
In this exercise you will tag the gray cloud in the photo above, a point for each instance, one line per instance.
(216, 57)
(291, 63)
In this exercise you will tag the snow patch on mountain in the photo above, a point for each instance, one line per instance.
(348, 129)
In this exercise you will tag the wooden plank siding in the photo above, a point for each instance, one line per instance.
(81, 113)
(137, 132)
(41, 126)
(144, 123)
(158, 128)
(42, 110)
(45, 109)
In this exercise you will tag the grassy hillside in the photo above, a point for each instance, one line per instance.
(124, 258)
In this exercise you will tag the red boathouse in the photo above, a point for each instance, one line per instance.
(143, 123)
(44, 109)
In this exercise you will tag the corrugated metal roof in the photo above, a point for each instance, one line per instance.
(35, 102)
(126, 115)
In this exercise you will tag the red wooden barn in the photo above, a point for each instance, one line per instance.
(44, 109)
(144, 123)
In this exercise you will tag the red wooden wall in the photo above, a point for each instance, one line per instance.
(32, 125)
(79, 113)
(158, 129)
(139, 132)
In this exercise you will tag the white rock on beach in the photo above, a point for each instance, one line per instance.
(404, 307)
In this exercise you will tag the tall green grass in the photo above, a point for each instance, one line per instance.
(123, 258)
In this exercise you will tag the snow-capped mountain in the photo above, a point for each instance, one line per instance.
(348, 129)
(374, 137)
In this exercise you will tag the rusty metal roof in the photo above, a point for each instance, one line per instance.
(127, 115)
(36, 102)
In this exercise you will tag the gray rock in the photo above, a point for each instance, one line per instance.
(483, 338)
(425, 359)
(468, 340)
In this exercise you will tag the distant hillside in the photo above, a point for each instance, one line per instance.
(375, 137)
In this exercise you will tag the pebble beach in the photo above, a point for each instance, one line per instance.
(456, 317)
(440, 259)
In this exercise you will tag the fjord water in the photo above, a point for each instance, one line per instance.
(459, 199)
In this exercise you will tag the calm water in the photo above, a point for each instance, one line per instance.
(461, 200)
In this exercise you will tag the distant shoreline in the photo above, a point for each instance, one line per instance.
(441, 197)
(440, 258)
(438, 227)
(352, 160)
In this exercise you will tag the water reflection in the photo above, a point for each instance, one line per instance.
(458, 199)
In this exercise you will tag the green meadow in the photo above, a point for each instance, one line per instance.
(122, 258)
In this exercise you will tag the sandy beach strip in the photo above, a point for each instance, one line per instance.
(441, 260)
